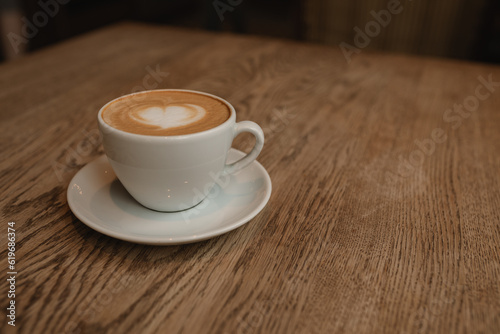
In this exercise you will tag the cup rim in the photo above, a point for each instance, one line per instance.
(110, 129)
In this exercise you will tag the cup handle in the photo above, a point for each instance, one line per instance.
(253, 128)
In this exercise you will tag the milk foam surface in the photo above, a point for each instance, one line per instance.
(165, 113)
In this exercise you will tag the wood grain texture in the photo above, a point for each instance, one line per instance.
(355, 239)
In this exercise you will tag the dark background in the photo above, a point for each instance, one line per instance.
(463, 29)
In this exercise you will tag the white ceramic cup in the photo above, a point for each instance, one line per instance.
(174, 173)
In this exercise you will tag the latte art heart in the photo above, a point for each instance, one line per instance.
(165, 113)
(171, 116)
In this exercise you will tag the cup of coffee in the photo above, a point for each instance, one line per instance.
(167, 146)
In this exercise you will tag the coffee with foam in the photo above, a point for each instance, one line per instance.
(165, 113)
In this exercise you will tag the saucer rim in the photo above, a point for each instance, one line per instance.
(159, 241)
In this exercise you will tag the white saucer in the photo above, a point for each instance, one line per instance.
(100, 201)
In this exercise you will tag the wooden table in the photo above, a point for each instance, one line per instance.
(384, 216)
